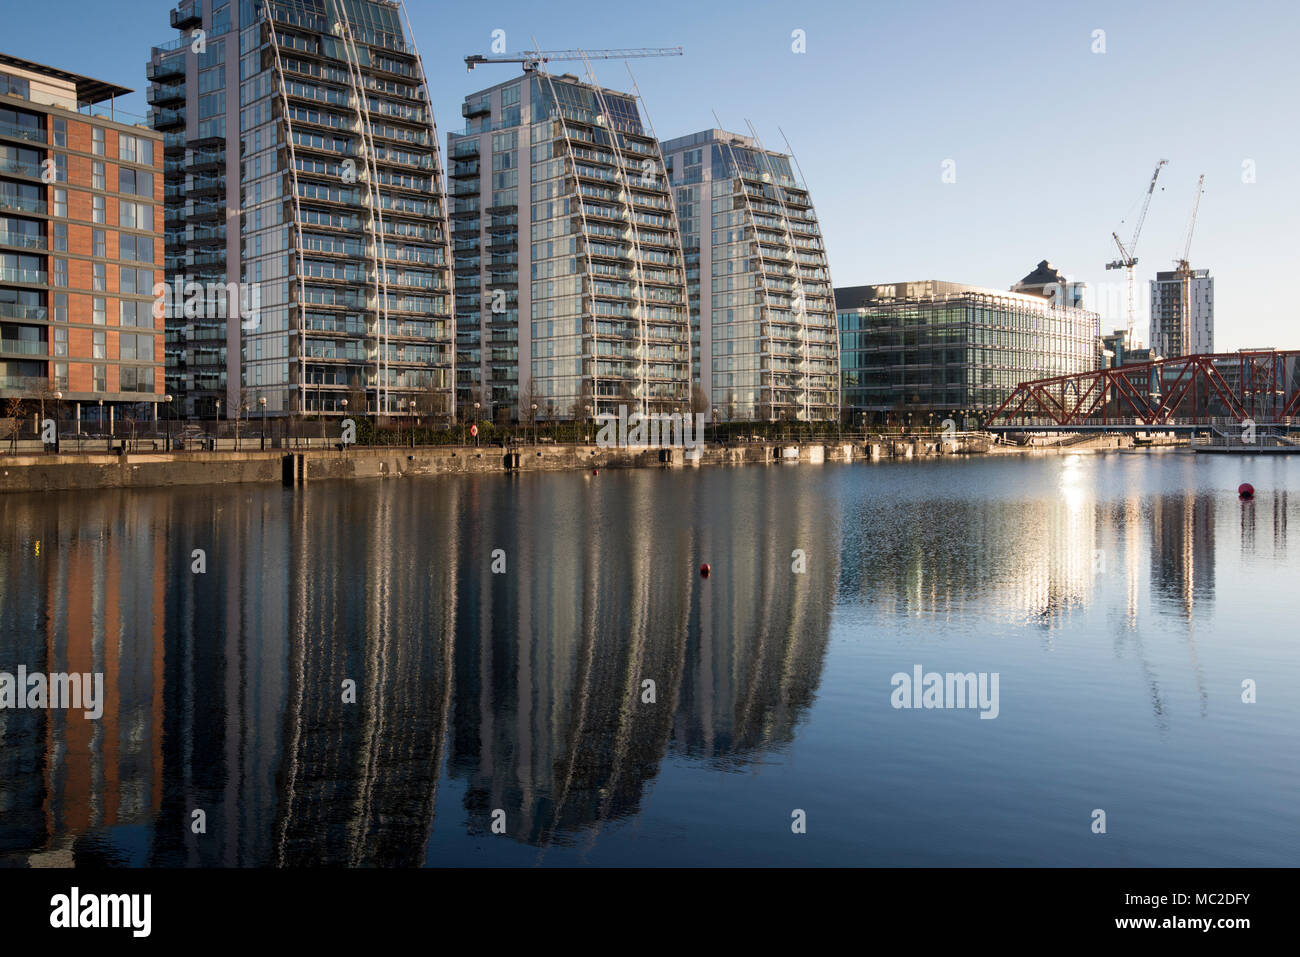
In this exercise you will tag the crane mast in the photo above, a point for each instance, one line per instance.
(1184, 274)
(1128, 254)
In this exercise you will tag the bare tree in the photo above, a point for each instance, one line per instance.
(527, 399)
(699, 401)
(14, 412)
(357, 396)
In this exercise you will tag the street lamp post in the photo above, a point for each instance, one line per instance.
(588, 426)
(410, 408)
(216, 425)
(58, 400)
(534, 423)
(168, 400)
(476, 407)
(261, 401)
(344, 403)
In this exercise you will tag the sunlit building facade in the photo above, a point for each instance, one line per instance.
(763, 338)
(910, 350)
(303, 164)
(1182, 312)
(570, 287)
(79, 252)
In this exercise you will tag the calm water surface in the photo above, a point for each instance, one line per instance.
(1122, 599)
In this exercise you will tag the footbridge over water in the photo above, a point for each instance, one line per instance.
(1189, 394)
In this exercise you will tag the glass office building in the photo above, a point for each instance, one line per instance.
(763, 338)
(920, 348)
(570, 288)
(303, 176)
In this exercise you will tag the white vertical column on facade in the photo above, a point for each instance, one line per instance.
(582, 215)
(836, 378)
(766, 306)
(795, 275)
(297, 211)
(375, 237)
(638, 264)
(680, 269)
(380, 254)
(440, 190)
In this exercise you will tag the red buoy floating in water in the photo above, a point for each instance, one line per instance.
(595, 471)
(704, 570)
(1245, 491)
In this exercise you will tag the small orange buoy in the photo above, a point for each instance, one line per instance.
(704, 570)
(1245, 491)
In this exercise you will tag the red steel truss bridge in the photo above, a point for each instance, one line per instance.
(1183, 394)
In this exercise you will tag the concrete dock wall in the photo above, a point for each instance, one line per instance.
(39, 472)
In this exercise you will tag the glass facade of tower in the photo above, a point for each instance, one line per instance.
(943, 347)
(303, 164)
(763, 337)
(558, 182)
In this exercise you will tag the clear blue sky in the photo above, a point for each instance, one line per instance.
(1053, 144)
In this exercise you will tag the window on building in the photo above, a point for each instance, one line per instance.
(135, 215)
(60, 272)
(60, 168)
(98, 345)
(60, 129)
(136, 182)
(60, 237)
(98, 313)
(61, 376)
(61, 203)
(97, 141)
(98, 243)
(99, 280)
(60, 341)
(15, 85)
(97, 174)
(99, 375)
(135, 313)
(61, 307)
(97, 206)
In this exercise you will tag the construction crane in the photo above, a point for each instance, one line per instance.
(1183, 264)
(532, 60)
(1128, 255)
(1183, 271)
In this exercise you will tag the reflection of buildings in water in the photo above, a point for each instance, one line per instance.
(358, 780)
(759, 632)
(550, 724)
(79, 595)
(225, 688)
(1032, 561)
(1182, 551)
(1278, 514)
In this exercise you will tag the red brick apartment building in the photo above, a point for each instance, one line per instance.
(80, 250)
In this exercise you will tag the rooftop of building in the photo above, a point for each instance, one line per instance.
(1043, 274)
(924, 290)
(1174, 275)
(88, 91)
